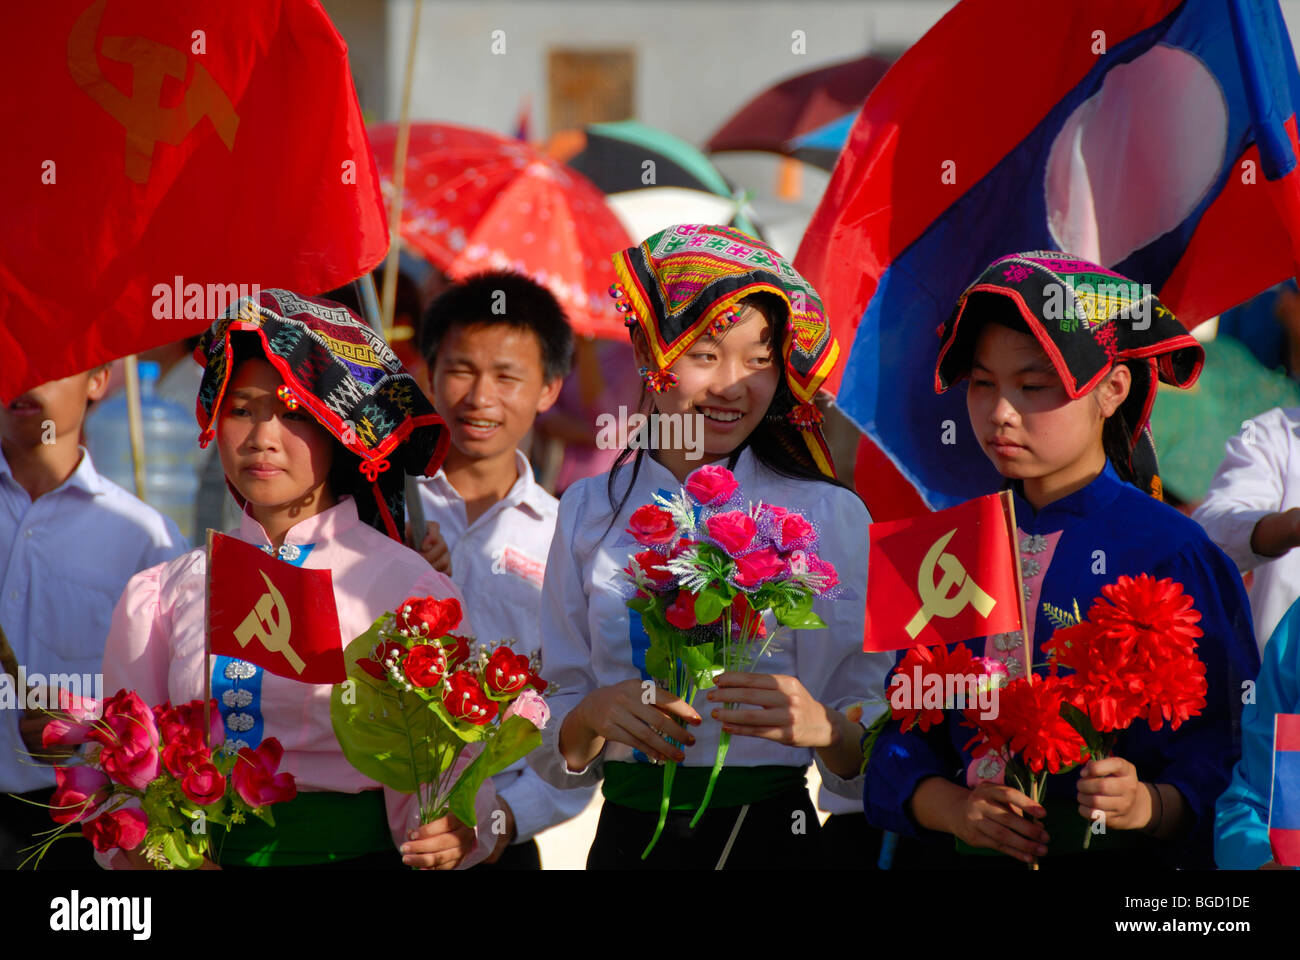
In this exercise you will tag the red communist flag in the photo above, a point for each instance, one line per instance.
(164, 158)
(273, 614)
(942, 577)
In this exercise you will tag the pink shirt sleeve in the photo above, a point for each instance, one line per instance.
(138, 652)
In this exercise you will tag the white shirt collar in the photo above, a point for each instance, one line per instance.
(526, 491)
(85, 477)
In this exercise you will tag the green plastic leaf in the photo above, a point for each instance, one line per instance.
(798, 615)
(515, 738)
(386, 735)
(177, 849)
(708, 606)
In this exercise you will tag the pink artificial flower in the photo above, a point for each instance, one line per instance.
(651, 525)
(758, 567)
(823, 567)
(711, 484)
(186, 723)
(733, 530)
(78, 791)
(792, 530)
(130, 739)
(255, 778)
(123, 828)
(532, 707)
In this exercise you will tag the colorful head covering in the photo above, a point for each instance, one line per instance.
(686, 280)
(1086, 318)
(342, 372)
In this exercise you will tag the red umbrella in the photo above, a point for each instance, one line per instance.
(477, 201)
(799, 105)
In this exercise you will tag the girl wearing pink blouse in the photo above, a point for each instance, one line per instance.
(316, 423)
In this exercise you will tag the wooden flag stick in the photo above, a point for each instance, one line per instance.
(1009, 505)
(399, 175)
(207, 646)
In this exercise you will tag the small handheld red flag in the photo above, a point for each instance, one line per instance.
(273, 614)
(943, 577)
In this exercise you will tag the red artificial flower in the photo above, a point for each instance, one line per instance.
(374, 664)
(1143, 605)
(130, 739)
(792, 530)
(78, 791)
(907, 695)
(255, 779)
(425, 665)
(186, 723)
(1134, 656)
(428, 616)
(123, 829)
(652, 566)
(748, 620)
(181, 755)
(651, 525)
(680, 547)
(73, 729)
(465, 699)
(711, 484)
(1027, 721)
(758, 567)
(506, 671)
(733, 530)
(457, 650)
(204, 784)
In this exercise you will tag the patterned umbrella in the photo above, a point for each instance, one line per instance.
(478, 201)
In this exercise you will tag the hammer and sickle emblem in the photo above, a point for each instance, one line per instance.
(935, 601)
(268, 623)
(145, 121)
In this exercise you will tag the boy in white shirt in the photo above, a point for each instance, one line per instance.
(498, 347)
(1252, 512)
(69, 541)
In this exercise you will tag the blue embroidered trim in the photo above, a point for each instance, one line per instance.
(237, 684)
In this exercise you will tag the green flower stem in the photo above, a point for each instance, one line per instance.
(724, 741)
(670, 771)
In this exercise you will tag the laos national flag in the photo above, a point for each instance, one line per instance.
(1154, 137)
(1284, 805)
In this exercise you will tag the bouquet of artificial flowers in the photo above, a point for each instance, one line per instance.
(711, 568)
(418, 695)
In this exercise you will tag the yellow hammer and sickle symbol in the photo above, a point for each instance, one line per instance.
(145, 121)
(271, 632)
(935, 601)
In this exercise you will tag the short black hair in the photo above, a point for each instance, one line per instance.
(506, 298)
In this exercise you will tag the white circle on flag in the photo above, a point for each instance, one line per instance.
(1135, 158)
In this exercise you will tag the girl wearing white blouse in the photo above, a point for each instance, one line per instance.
(748, 346)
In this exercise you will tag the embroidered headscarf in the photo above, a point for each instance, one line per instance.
(687, 280)
(344, 374)
(1086, 318)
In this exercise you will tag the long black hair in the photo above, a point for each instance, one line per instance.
(775, 442)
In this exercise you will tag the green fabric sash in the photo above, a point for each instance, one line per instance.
(640, 786)
(319, 827)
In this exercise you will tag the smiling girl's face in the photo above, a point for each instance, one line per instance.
(1027, 424)
(274, 456)
(729, 381)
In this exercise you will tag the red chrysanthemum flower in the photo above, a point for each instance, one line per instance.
(1135, 656)
(907, 699)
(1027, 721)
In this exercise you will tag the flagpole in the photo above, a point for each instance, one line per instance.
(399, 175)
(207, 645)
(1009, 506)
(135, 423)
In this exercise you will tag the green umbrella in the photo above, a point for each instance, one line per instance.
(1192, 426)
